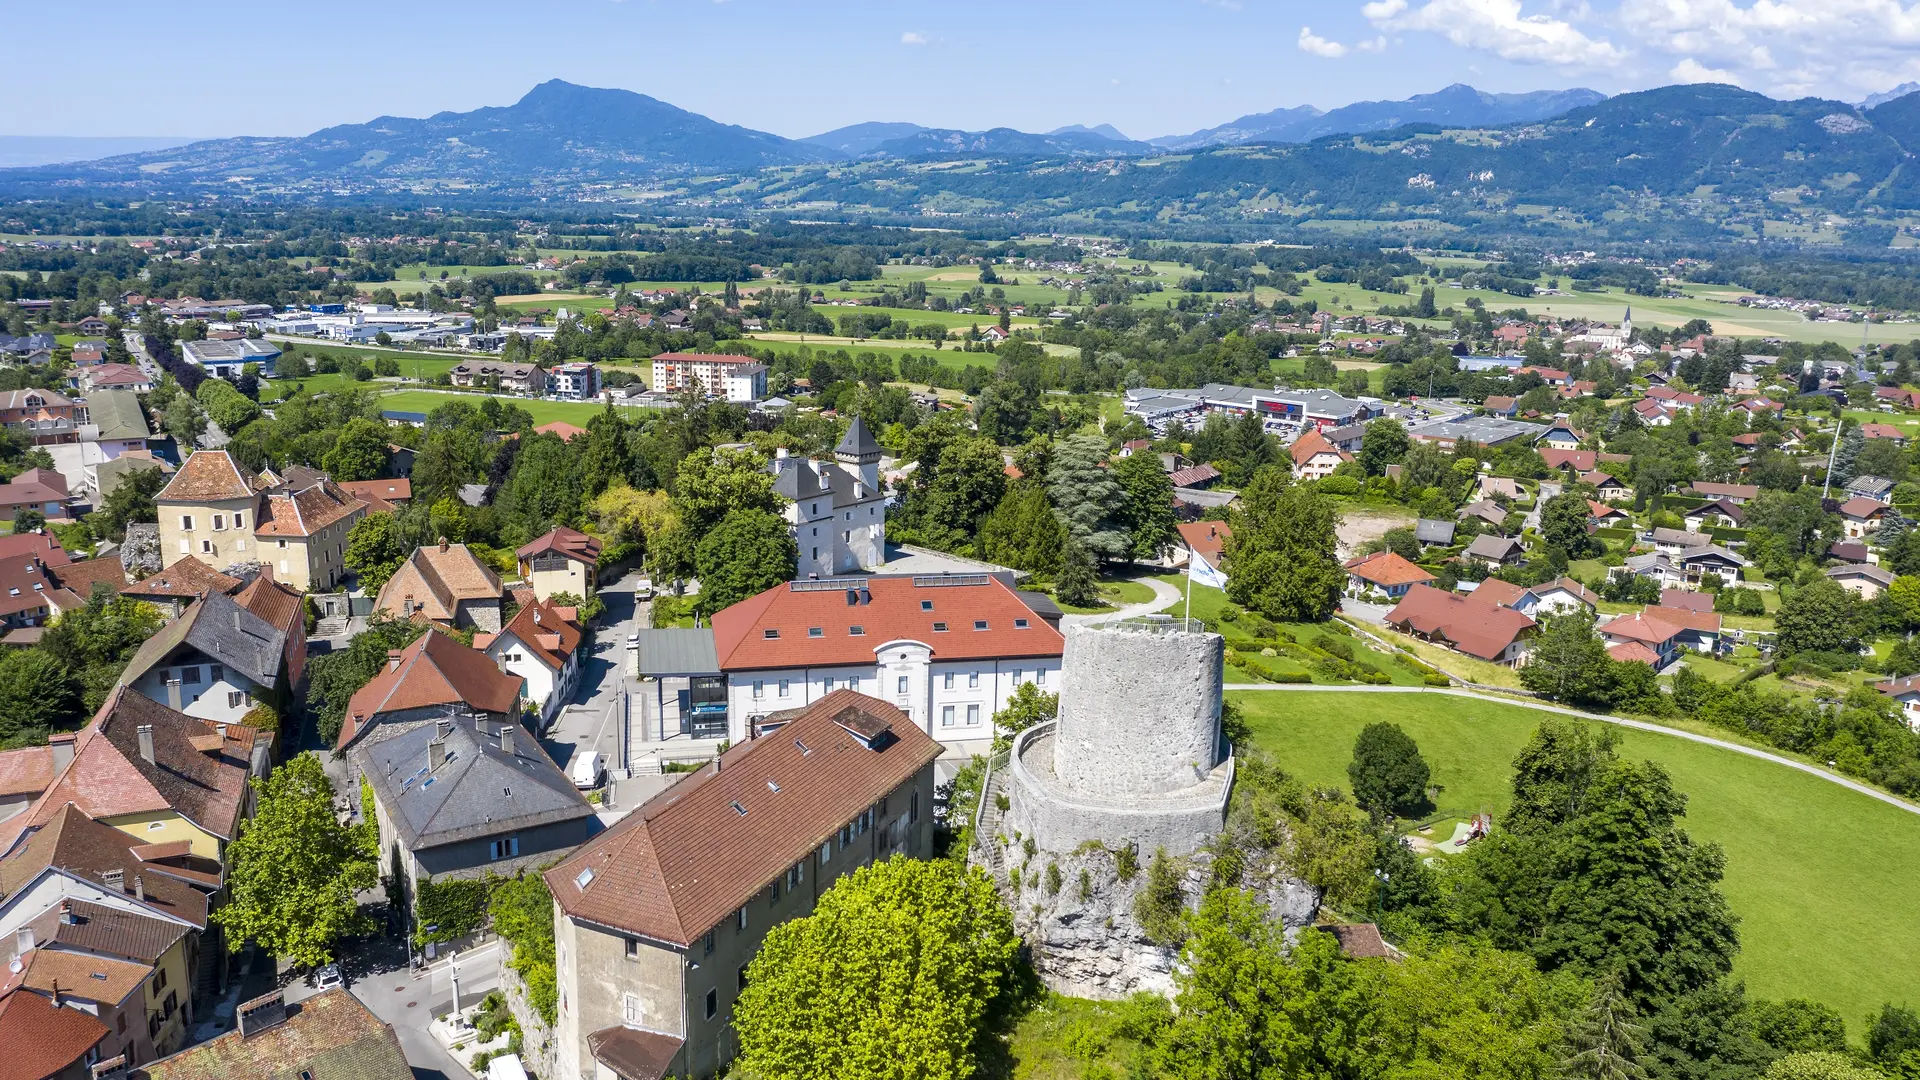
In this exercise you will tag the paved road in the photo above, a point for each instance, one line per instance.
(1637, 725)
(1163, 595)
(409, 1001)
(591, 721)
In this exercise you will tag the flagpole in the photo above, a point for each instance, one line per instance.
(1191, 555)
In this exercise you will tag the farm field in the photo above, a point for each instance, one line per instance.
(1805, 900)
(788, 344)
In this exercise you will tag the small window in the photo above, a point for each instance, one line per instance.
(939, 628)
(973, 716)
(826, 685)
(973, 680)
(706, 942)
(979, 624)
(853, 683)
(630, 1008)
(759, 689)
(946, 716)
(235, 699)
(186, 522)
(1020, 624)
(740, 918)
(826, 850)
(190, 675)
(633, 948)
(206, 547)
(913, 806)
(946, 681)
(785, 686)
(219, 523)
(770, 634)
(239, 519)
(1018, 674)
(1040, 677)
(902, 685)
(816, 631)
(926, 605)
(773, 892)
(737, 808)
(857, 631)
(215, 673)
(713, 1003)
(583, 879)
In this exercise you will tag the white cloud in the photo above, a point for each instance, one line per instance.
(1834, 48)
(1311, 42)
(1499, 27)
(1690, 70)
(1378, 44)
(914, 37)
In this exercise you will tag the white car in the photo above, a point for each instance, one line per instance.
(633, 640)
(587, 770)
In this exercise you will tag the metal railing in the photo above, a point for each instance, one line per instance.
(1155, 624)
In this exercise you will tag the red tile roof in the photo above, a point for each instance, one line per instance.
(1501, 593)
(1603, 511)
(209, 476)
(545, 629)
(186, 579)
(1685, 600)
(894, 608)
(1386, 568)
(1881, 431)
(69, 840)
(572, 543)
(1643, 626)
(1476, 628)
(88, 574)
(1632, 652)
(379, 494)
(24, 564)
(1311, 445)
(43, 1039)
(435, 670)
(305, 512)
(26, 771)
(1209, 538)
(1862, 507)
(567, 432)
(1198, 474)
(687, 858)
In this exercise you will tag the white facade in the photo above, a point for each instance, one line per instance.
(951, 700)
(548, 689)
(837, 510)
(577, 382)
(204, 689)
(736, 378)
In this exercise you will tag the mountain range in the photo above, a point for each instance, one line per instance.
(1457, 106)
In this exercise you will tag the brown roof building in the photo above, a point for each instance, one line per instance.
(660, 913)
(562, 561)
(219, 511)
(45, 1041)
(30, 594)
(434, 677)
(1478, 628)
(446, 584)
(180, 584)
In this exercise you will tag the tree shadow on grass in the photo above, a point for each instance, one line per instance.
(993, 1049)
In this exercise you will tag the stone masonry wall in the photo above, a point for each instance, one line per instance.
(1139, 710)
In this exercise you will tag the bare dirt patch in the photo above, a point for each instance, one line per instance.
(1359, 524)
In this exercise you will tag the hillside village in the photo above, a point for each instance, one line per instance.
(314, 708)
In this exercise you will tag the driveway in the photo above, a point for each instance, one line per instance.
(592, 720)
(1163, 595)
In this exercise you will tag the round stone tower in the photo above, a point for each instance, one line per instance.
(1139, 707)
(1136, 755)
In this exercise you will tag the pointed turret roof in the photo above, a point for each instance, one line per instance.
(858, 442)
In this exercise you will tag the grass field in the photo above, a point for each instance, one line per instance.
(1821, 877)
(543, 412)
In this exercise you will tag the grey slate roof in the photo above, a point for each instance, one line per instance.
(479, 791)
(1879, 575)
(795, 479)
(218, 626)
(1681, 538)
(1489, 546)
(1432, 531)
(117, 414)
(858, 441)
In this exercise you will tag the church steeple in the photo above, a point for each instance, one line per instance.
(1626, 322)
(859, 449)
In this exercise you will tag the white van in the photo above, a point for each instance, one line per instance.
(588, 770)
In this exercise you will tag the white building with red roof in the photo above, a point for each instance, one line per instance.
(1314, 457)
(947, 649)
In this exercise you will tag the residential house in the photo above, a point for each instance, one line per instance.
(48, 1037)
(179, 585)
(1602, 515)
(208, 510)
(1135, 446)
(1684, 600)
(1867, 431)
(26, 773)
(1710, 560)
(1674, 541)
(948, 650)
(1852, 551)
(431, 679)
(1607, 487)
(1347, 437)
(562, 561)
(1495, 550)
(657, 919)
(1502, 487)
(541, 645)
(1556, 597)
(1477, 628)
(837, 511)
(115, 924)
(104, 377)
(1633, 652)
(1384, 573)
(1861, 516)
(1208, 539)
(561, 430)
(446, 584)
(1561, 435)
(329, 1036)
(30, 591)
(732, 378)
(1737, 494)
(301, 532)
(1656, 565)
(1315, 458)
(1666, 631)
(464, 798)
(1194, 477)
(1906, 691)
(1898, 395)
(1862, 579)
(43, 491)
(496, 374)
(1500, 405)
(1580, 461)
(116, 425)
(42, 417)
(156, 774)
(1877, 488)
(217, 661)
(1488, 511)
(381, 496)
(1717, 514)
(1432, 532)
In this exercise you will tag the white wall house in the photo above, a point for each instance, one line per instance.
(542, 647)
(946, 649)
(837, 511)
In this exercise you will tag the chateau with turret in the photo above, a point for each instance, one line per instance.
(836, 509)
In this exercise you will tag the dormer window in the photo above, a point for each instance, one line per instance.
(926, 605)
(979, 624)
(770, 634)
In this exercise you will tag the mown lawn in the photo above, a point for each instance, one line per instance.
(1821, 877)
(543, 412)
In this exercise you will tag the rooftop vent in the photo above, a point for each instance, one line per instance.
(804, 748)
(737, 808)
(773, 786)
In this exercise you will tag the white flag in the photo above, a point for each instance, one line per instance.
(1202, 572)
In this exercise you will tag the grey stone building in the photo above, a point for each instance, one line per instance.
(656, 919)
(463, 798)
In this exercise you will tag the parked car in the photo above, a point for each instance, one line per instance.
(328, 977)
(588, 771)
(633, 640)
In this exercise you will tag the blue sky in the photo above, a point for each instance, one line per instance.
(1150, 67)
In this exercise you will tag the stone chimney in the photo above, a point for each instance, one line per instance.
(139, 888)
(506, 738)
(114, 880)
(62, 751)
(24, 941)
(114, 1068)
(443, 543)
(436, 754)
(266, 1011)
(146, 743)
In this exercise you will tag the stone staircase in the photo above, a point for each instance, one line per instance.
(335, 626)
(987, 849)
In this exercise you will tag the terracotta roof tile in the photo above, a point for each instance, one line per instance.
(1209, 538)
(439, 578)
(73, 842)
(1477, 628)
(26, 771)
(305, 512)
(1386, 568)
(547, 634)
(87, 976)
(893, 608)
(687, 858)
(129, 935)
(83, 577)
(435, 670)
(1502, 593)
(209, 476)
(1633, 652)
(182, 580)
(43, 1039)
(387, 491)
(569, 542)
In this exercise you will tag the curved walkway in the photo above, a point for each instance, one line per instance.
(1163, 596)
(1638, 725)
